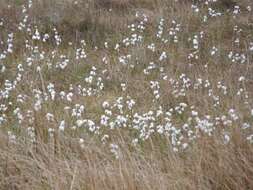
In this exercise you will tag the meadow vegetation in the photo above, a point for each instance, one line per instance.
(126, 94)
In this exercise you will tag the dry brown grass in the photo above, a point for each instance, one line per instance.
(60, 163)
(209, 165)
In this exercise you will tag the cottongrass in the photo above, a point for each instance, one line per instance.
(167, 104)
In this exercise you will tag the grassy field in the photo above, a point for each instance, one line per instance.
(126, 94)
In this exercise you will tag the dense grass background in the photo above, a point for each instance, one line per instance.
(32, 157)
